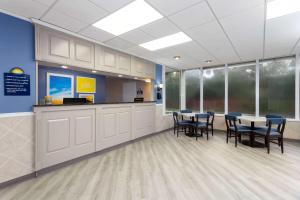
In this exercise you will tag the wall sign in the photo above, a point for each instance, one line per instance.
(16, 83)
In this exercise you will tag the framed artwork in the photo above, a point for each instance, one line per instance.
(89, 97)
(86, 85)
(60, 85)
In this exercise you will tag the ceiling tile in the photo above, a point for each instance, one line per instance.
(224, 8)
(63, 21)
(168, 7)
(212, 38)
(119, 43)
(111, 5)
(246, 31)
(137, 36)
(282, 33)
(84, 11)
(193, 50)
(45, 2)
(96, 34)
(25, 8)
(160, 28)
(193, 16)
(140, 51)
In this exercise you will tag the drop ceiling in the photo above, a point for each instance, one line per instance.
(224, 31)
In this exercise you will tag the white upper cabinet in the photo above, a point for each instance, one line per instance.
(60, 48)
(124, 63)
(142, 68)
(57, 47)
(109, 60)
(105, 59)
(83, 54)
(53, 47)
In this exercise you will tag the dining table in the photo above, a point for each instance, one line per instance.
(252, 120)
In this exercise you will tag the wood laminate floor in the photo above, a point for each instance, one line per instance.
(165, 167)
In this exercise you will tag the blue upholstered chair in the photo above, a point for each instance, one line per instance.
(201, 122)
(234, 128)
(179, 124)
(236, 114)
(274, 131)
(211, 121)
(268, 117)
(186, 111)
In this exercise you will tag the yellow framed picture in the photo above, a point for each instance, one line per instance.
(86, 85)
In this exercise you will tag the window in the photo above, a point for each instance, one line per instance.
(172, 90)
(241, 88)
(192, 89)
(277, 87)
(214, 90)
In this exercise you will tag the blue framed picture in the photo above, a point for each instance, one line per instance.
(60, 85)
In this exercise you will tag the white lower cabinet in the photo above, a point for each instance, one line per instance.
(113, 126)
(64, 135)
(67, 132)
(144, 120)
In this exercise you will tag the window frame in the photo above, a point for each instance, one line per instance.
(257, 87)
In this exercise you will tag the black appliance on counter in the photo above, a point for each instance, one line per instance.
(139, 99)
(74, 101)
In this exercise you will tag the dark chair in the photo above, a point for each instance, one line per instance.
(234, 128)
(186, 111)
(179, 124)
(272, 133)
(268, 117)
(236, 114)
(202, 125)
(211, 121)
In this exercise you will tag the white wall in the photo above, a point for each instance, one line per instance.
(162, 121)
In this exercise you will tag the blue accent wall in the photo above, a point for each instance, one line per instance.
(42, 81)
(16, 50)
(158, 80)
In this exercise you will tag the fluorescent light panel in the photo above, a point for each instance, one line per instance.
(278, 8)
(132, 16)
(167, 41)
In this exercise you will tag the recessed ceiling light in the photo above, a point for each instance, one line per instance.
(132, 16)
(176, 57)
(135, 78)
(208, 61)
(120, 75)
(94, 71)
(64, 67)
(167, 41)
(278, 8)
(148, 80)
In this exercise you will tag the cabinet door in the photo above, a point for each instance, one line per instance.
(113, 126)
(124, 63)
(106, 59)
(84, 132)
(56, 138)
(137, 67)
(83, 54)
(66, 135)
(144, 123)
(54, 47)
(150, 70)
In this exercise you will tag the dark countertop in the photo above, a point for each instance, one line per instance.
(90, 104)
